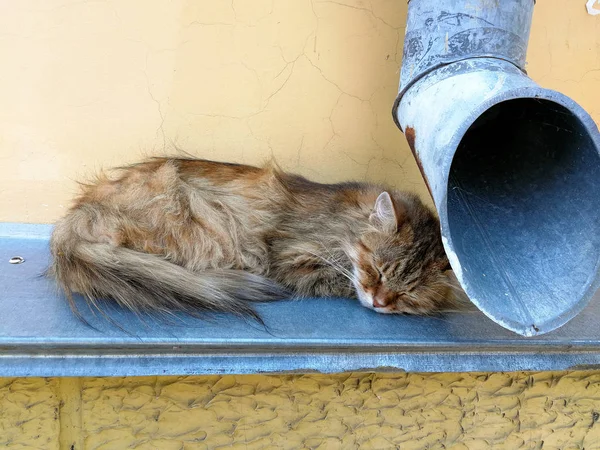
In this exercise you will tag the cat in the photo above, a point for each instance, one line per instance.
(175, 234)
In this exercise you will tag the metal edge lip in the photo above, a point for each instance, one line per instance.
(297, 345)
(226, 364)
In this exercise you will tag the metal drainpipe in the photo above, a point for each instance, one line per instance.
(513, 169)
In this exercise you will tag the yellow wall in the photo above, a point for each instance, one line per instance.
(85, 84)
(347, 411)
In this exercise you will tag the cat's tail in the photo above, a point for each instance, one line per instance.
(144, 282)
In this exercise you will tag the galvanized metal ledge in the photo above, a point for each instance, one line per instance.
(39, 336)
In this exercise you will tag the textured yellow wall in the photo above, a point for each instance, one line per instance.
(345, 411)
(85, 84)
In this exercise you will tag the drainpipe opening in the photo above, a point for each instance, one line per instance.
(523, 206)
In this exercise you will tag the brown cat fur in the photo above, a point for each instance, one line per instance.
(172, 234)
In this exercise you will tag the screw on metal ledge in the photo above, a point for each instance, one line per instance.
(16, 260)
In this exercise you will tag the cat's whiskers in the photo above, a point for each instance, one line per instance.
(335, 265)
(342, 271)
(334, 258)
(352, 275)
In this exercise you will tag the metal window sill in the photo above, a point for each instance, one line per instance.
(39, 336)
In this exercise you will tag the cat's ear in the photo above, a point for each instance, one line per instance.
(384, 215)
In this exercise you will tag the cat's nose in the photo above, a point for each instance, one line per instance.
(380, 300)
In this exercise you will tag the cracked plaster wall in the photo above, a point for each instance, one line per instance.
(97, 83)
(86, 84)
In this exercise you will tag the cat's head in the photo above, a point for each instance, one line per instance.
(399, 262)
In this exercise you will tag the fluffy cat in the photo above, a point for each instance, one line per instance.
(172, 234)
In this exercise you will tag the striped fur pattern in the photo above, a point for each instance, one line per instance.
(173, 234)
